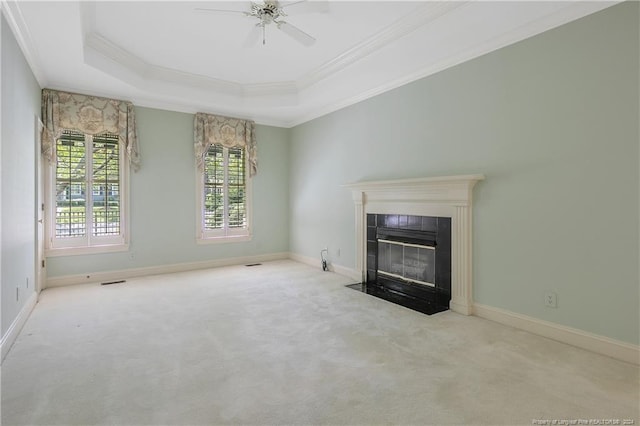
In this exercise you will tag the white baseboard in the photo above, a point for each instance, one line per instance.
(603, 345)
(17, 324)
(160, 269)
(338, 269)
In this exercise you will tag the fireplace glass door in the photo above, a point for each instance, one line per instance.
(410, 262)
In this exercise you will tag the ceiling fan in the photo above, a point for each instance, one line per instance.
(271, 12)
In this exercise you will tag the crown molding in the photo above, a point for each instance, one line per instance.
(11, 11)
(100, 53)
(169, 88)
(178, 106)
(403, 26)
(575, 10)
(133, 70)
(95, 43)
(124, 64)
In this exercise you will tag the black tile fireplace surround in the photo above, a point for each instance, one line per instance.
(426, 287)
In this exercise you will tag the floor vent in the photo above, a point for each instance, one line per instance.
(254, 264)
(113, 282)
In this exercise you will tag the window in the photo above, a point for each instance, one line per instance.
(87, 183)
(223, 195)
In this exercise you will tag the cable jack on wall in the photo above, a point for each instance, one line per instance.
(323, 259)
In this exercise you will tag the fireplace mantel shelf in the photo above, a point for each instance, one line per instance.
(415, 182)
(443, 196)
(444, 189)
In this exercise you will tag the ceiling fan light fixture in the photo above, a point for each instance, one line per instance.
(270, 11)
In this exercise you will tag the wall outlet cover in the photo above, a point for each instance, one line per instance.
(551, 299)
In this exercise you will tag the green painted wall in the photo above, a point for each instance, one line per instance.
(163, 201)
(20, 109)
(552, 122)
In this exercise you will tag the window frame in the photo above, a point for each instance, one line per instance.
(87, 244)
(226, 234)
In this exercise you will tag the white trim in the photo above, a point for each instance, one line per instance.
(159, 269)
(87, 244)
(198, 106)
(154, 100)
(347, 272)
(338, 269)
(14, 329)
(599, 344)
(136, 71)
(223, 239)
(72, 251)
(226, 234)
(592, 342)
(40, 216)
(22, 34)
(443, 196)
(105, 55)
(575, 10)
(316, 263)
(403, 26)
(102, 54)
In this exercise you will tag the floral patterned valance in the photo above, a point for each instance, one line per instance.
(229, 132)
(90, 115)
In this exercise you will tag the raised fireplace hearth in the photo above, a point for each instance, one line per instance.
(398, 203)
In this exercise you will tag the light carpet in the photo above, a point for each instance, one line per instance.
(284, 343)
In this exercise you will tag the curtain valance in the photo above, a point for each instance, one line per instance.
(90, 115)
(229, 132)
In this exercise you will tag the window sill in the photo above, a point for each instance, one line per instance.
(77, 251)
(223, 239)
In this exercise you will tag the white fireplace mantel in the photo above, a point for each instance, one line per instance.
(448, 196)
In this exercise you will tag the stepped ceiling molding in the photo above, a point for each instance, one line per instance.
(164, 54)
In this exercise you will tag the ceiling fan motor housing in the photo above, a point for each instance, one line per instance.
(267, 12)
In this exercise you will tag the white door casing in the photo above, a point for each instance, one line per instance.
(40, 267)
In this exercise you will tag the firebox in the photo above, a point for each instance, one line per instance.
(409, 260)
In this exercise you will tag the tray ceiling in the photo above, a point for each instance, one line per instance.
(167, 55)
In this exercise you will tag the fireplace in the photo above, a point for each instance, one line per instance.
(409, 260)
(398, 205)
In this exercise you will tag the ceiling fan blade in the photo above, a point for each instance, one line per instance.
(306, 6)
(253, 36)
(291, 3)
(225, 11)
(296, 33)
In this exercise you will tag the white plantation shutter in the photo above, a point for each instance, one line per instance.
(87, 203)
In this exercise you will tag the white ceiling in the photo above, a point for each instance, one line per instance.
(164, 54)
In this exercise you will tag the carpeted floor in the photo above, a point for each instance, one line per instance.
(284, 343)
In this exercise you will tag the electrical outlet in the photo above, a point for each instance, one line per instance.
(551, 299)
(338, 252)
